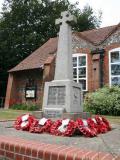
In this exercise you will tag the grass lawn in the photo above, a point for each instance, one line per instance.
(113, 119)
(8, 114)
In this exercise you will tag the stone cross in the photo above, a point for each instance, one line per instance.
(64, 70)
(65, 17)
(63, 94)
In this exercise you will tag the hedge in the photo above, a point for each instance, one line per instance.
(24, 107)
(104, 101)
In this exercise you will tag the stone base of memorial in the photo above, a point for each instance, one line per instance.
(38, 114)
(75, 116)
(62, 99)
(64, 115)
(62, 96)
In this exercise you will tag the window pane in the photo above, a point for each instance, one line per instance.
(74, 61)
(115, 80)
(115, 57)
(82, 72)
(74, 72)
(82, 61)
(83, 82)
(79, 70)
(115, 69)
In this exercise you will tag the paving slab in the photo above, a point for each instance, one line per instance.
(109, 142)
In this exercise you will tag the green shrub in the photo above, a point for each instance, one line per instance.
(25, 107)
(104, 101)
(32, 107)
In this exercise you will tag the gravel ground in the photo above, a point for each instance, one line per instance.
(109, 142)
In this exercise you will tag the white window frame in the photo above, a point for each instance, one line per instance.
(110, 75)
(86, 78)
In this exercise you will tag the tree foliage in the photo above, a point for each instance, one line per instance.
(27, 24)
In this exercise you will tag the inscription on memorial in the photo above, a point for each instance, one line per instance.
(53, 113)
(56, 95)
(76, 96)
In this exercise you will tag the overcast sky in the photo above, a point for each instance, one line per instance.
(109, 8)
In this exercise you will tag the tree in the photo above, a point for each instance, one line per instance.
(86, 19)
(27, 24)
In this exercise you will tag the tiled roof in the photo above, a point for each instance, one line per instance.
(39, 56)
(97, 36)
(49, 59)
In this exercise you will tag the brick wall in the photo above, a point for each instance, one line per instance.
(22, 79)
(94, 67)
(16, 88)
(20, 149)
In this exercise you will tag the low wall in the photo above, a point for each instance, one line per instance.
(20, 149)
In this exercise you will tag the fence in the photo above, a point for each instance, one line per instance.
(2, 100)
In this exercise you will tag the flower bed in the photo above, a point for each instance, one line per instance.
(66, 127)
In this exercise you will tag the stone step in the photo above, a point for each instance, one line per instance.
(74, 116)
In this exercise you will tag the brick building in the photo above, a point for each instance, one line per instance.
(96, 62)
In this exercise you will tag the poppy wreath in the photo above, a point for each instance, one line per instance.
(38, 127)
(92, 123)
(107, 123)
(63, 129)
(66, 127)
(17, 123)
(24, 122)
(85, 129)
(102, 126)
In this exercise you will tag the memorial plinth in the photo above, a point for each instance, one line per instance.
(63, 95)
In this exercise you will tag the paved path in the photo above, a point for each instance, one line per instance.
(109, 142)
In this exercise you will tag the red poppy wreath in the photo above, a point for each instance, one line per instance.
(64, 127)
(86, 127)
(40, 126)
(24, 122)
(103, 124)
